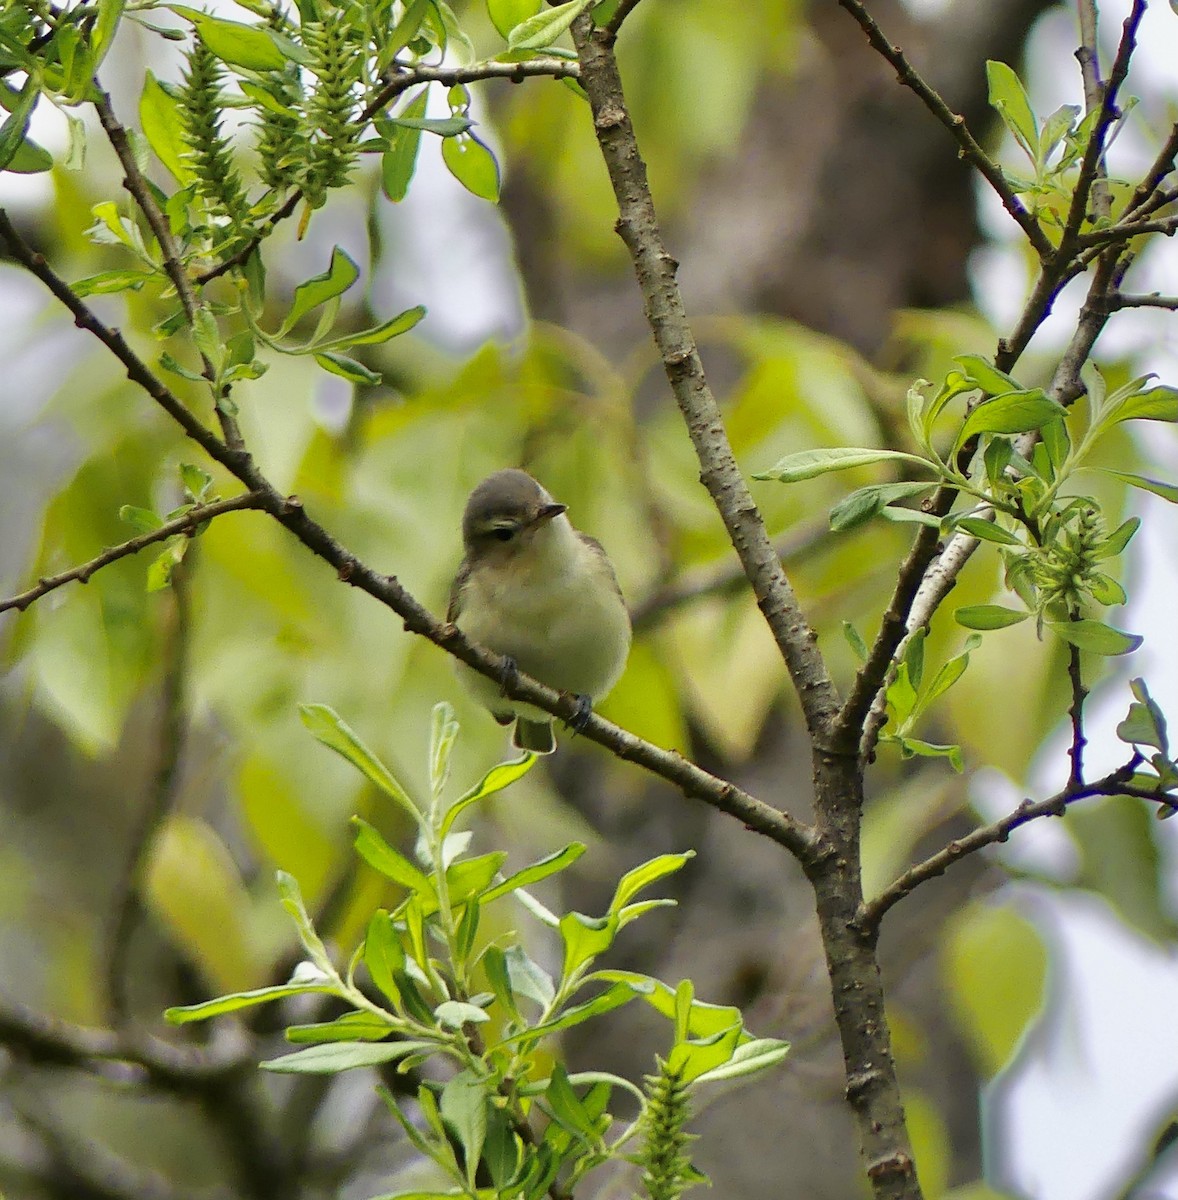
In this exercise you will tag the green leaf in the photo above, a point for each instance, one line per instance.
(1167, 491)
(855, 641)
(1156, 404)
(500, 776)
(1116, 541)
(292, 901)
(541, 30)
(806, 464)
(107, 282)
(567, 1108)
(988, 616)
(472, 163)
(472, 876)
(398, 163)
(866, 502)
(1106, 590)
(325, 725)
(1145, 724)
(441, 126)
(1015, 412)
(613, 997)
(537, 871)
(463, 1107)
(383, 332)
(142, 520)
(1095, 636)
(183, 1014)
(528, 978)
(347, 368)
(453, 1014)
(240, 45)
(162, 124)
(759, 1054)
(159, 573)
(332, 1057)
(392, 864)
(12, 132)
(986, 531)
(645, 874)
(1009, 99)
(339, 276)
(584, 939)
(506, 15)
(351, 1027)
(384, 955)
(442, 735)
(983, 374)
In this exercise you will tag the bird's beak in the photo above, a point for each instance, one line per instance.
(548, 512)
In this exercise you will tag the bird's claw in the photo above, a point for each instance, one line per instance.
(508, 675)
(581, 713)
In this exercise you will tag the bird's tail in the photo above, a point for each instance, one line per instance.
(536, 736)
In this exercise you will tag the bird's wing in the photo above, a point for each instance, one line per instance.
(599, 550)
(455, 605)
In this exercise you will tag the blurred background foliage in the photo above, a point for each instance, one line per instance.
(826, 234)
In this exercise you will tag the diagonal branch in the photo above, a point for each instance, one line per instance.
(666, 314)
(1113, 784)
(185, 524)
(692, 780)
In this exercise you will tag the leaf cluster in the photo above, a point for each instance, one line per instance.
(474, 1020)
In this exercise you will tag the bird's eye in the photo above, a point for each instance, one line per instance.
(504, 534)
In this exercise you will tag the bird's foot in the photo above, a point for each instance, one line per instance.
(581, 713)
(508, 675)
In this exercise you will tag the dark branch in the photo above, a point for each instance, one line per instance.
(1113, 784)
(1076, 717)
(614, 24)
(186, 524)
(1153, 300)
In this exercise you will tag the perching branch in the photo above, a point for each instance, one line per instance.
(665, 312)
(614, 24)
(188, 523)
(693, 781)
(1153, 300)
(1113, 784)
(1076, 717)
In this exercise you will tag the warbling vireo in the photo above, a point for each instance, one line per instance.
(541, 594)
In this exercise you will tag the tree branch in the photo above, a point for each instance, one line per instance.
(666, 315)
(1076, 715)
(614, 24)
(1153, 300)
(692, 780)
(1113, 784)
(970, 148)
(1091, 171)
(188, 523)
(49, 1041)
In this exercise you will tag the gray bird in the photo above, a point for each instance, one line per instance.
(534, 589)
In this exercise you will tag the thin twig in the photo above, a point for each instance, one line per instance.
(1090, 164)
(970, 148)
(1088, 56)
(50, 1041)
(614, 24)
(1128, 229)
(692, 780)
(1113, 784)
(187, 523)
(136, 183)
(1121, 300)
(1076, 716)
(1162, 165)
(665, 312)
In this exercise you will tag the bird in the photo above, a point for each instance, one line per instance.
(541, 594)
